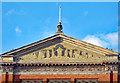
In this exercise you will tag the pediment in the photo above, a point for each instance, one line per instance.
(61, 52)
(62, 49)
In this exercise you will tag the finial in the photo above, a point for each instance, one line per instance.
(59, 26)
(59, 13)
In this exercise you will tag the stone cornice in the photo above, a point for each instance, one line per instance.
(58, 63)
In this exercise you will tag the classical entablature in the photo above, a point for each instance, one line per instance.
(60, 48)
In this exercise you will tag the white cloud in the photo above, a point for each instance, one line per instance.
(20, 12)
(57, 3)
(95, 40)
(85, 13)
(17, 30)
(13, 11)
(112, 38)
(10, 12)
(47, 34)
(109, 40)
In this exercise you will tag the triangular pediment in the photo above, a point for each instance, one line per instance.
(60, 48)
(58, 52)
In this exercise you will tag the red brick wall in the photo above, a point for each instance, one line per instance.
(0, 79)
(3, 77)
(10, 77)
(7, 78)
(100, 77)
(71, 77)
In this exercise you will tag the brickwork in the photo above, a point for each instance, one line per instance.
(10, 77)
(0, 79)
(100, 72)
(71, 77)
(4, 79)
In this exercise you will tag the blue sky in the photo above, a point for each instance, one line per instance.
(93, 22)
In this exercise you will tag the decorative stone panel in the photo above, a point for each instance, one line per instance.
(8, 69)
(59, 69)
